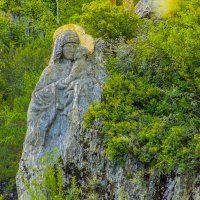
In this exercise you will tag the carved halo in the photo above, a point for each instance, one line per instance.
(85, 39)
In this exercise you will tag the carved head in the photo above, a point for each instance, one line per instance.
(65, 45)
(70, 37)
(81, 52)
(71, 42)
(67, 38)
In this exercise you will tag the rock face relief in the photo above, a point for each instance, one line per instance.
(72, 80)
(67, 86)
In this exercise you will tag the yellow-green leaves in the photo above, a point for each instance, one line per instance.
(102, 19)
(151, 106)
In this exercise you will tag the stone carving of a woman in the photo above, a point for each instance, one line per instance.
(47, 98)
(67, 86)
(54, 104)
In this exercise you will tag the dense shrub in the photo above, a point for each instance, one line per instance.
(151, 99)
(22, 72)
(102, 19)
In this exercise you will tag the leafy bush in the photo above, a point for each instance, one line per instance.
(19, 76)
(70, 11)
(102, 19)
(151, 99)
(52, 182)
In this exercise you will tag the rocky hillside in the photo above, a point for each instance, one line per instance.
(110, 118)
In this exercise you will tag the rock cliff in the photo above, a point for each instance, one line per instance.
(73, 80)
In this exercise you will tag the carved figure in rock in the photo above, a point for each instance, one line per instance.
(74, 83)
(45, 101)
(72, 80)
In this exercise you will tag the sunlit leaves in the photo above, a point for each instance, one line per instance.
(102, 19)
(151, 99)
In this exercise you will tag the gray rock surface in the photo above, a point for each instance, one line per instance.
(145, 8)
(67, 86)
(71, 82)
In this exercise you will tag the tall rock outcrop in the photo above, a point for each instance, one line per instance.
(73, 80)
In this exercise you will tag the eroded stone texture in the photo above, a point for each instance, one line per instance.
(67, 86)
(71, 82)
(145, 8)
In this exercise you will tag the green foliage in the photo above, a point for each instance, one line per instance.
(19, 77)
(40, 16)
(102, 19)
(151, 107)
(151, 99)
(70, 11)
(52, 182)
(93, 196)
(12, 5)
(74, 192)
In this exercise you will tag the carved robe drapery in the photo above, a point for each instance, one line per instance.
(72, 80)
